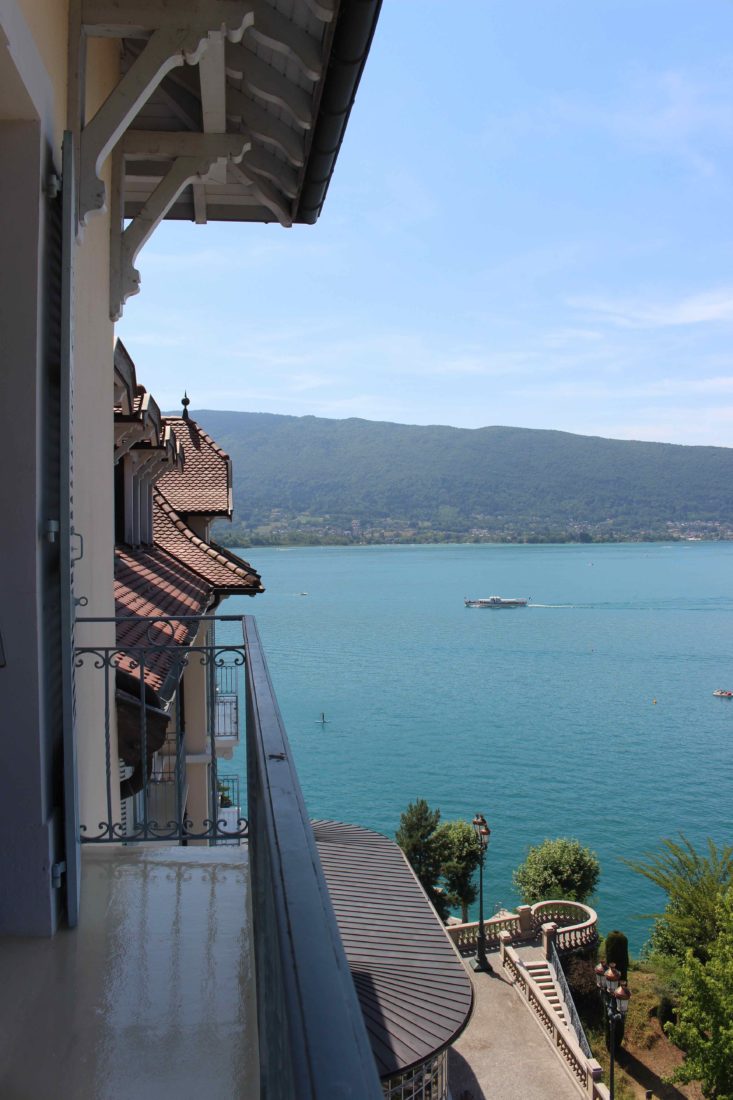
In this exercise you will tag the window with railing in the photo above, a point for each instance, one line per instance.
(227, 678)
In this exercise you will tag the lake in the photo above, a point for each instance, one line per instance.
(588, 714)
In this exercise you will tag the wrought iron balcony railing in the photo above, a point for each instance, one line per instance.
(312, 1037)
(161, 714)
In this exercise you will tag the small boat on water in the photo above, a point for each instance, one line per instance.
(721, 694)
(496, 601)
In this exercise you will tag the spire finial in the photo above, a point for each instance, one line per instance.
(185, 401)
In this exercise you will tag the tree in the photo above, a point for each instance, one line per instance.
(694, 884)
(419, 839)
(560, 868)
(461, 857)
(704, 1027)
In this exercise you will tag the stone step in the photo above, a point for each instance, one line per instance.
(542, 976)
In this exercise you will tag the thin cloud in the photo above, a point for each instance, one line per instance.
(672, 113)
(159, 339)
(710, 306)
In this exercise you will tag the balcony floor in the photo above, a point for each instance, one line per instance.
(151, 996)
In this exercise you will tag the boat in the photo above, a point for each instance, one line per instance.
(721, 694)
(496, 601)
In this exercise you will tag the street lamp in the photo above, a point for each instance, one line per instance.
(615, 997)
(483, 832)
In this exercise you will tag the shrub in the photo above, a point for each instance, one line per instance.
(581, 977)
(617, 952)
(561, 868)
(694, 884)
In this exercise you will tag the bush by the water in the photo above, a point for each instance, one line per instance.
(557, 869)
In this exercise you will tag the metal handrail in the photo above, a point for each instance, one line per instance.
(553, 961)
(313, 1042)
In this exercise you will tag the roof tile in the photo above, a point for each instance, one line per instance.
(223, 571)
(204, 486)
(151, 583)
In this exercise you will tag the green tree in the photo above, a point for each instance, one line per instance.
(461, 856)
(704, 1027)
(420, 840)
(694, 883)
(561, 868)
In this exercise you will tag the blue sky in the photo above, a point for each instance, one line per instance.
(530, 224)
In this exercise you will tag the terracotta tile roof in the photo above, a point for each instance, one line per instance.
(151, 582)
(204, 488)
(223, 571)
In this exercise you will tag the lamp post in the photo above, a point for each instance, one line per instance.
(615, 997)
(483, 832)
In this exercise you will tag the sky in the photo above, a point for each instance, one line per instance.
(529, 224)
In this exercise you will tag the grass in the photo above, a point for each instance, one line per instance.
(624, 1085)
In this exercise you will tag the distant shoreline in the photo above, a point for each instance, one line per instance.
(237, 543)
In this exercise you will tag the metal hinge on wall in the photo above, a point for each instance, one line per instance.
(57, 870)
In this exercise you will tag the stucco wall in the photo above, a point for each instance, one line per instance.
(93, 460)
(48, 22)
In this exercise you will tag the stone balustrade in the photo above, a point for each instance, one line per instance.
(586, 1071)
(577, 926)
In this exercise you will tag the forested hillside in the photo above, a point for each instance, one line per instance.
(307, 473)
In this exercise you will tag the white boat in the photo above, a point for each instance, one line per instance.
(722, 694)
(496, 601)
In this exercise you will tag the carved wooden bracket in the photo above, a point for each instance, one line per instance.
(194, 154)
(180, 35)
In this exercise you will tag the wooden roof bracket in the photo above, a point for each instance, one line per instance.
(268, 195)
(180, 35)
(198, 152)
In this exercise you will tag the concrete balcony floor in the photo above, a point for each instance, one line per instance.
(152, 996)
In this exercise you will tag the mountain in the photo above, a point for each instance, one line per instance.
(312, 473)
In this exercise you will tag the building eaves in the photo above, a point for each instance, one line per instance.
(224, 572)
(285, 87)
(357, 22)
(125, 379)
(152, 584)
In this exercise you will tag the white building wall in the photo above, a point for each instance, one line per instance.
(94, 469)
(33, 109)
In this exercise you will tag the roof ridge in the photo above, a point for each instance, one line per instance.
(202, 432)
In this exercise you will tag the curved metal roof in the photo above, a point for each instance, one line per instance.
(414, 993)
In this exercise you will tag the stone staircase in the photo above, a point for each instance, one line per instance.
(544, 998)
(540, 972)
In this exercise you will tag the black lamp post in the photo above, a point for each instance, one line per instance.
(483, 833)
(615, 997)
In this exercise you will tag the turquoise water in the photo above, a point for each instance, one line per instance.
(588, 714)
